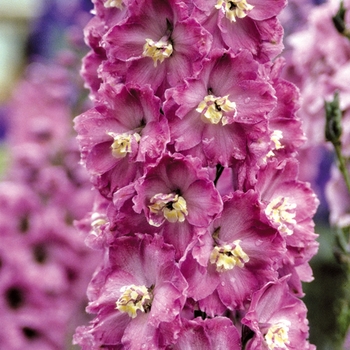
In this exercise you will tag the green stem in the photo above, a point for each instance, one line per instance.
(333, 132)
(342, 165)
(343, 306)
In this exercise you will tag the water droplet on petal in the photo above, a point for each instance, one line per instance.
(247, 100)
(258, 242)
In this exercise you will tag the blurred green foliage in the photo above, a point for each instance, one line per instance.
(323, 294)
(4, 159)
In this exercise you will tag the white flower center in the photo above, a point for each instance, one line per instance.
(114, 3)
(97, 220)
(134, 298)
(212, 109)
(228, 256)
(281, 212)
(277, 336)
(234, 8)
(275, 138)
(158, 51)
(172, 206)
(122, 143)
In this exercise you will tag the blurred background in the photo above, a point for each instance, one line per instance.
(32, 30)
(16, 19)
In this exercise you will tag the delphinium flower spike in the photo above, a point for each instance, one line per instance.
(192, 144)
(322, 72)
(45, 264)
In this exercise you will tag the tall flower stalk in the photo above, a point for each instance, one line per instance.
(192, 139)
(333, 132)
(322, 72)
(45, 264)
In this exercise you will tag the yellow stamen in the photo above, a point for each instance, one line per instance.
(234, 8)
(114, 3)
(282, 212)
(172, 206)
(134, 298)
(228, 256)
(277, 336)
(122, 143)
(212, 108)
(158, 51)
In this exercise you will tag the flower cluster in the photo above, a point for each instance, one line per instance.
(321, 71)
(192, 140)
(45, 264)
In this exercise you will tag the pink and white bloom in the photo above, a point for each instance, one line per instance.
(177, 196)
(237, 256)
(121, 134)
(289, 206)
(138, 290)
(159, 44)
(221, 116)
(277, 318)
(243, 24)
(205, 212)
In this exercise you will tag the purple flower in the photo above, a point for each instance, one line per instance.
(45, 265)
(289, 206)
(120, 134)
(236, 257)
(287, 133)
(191, 142)
(217, 333)
(238, 25)
(221, 119)
(159, 44)
(288, 203)
(277, 318)
(139, 289)
(178, 195)
(338, 199)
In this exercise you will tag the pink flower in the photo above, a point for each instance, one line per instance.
(288, 203)
(220, 119)
(120, 134)
(217, 333)
(159, 44)
(46, 113)
(287, 134)
(203, 213)
(178, 196)
(237, 256)
(277, 318)
(107, 14)
(338, 199)
(238, 25)
(289, 206)
(139, 289)
(45, 266)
